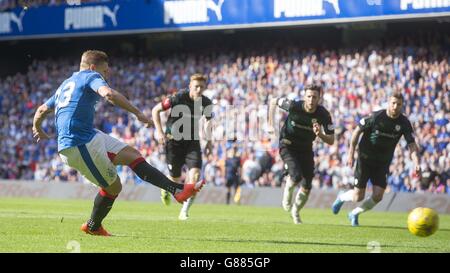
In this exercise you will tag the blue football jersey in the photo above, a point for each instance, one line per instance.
(74, 103)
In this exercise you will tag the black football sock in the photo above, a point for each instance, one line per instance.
(228, 197)
(102, 205)
(150, 174)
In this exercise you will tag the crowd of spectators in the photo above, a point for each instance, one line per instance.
(356, 82)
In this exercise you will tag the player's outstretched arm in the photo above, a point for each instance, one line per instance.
(272, 107)
(355, 137)
(39, 116)
(120, 100)
(157, 121)
(415, 157)
(207, 136)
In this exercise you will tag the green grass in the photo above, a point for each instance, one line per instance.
(41, 225)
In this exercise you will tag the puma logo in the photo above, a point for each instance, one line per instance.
(7, 17)
(111, 14)
(217, 8)
(191, 11)
(335, 4)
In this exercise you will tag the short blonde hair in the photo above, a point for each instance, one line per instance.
(199, 77)
(96, 57)
(397, 95)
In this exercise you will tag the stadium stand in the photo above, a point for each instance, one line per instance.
(356, 81)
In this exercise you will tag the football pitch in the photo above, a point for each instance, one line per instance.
(43, 225)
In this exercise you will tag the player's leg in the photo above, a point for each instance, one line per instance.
(292, 168)
(306, 161)
(307, 166)
(379, 181)
(378, 176)
(194, 163)
(371, 201)
(300, 199)
(375, 174)
(354, 195)
(193, 177)
(132, 158)
(92, 162)
(237, 191)
(357, 193)
(103, 203)
(377, 193)
(229, 184)
(165, 195)
(288, 191)
(175, 154)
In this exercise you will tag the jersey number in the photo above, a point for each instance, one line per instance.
(64, 95)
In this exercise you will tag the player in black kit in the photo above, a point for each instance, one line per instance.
(380, 134)
(181, 138)
(306, 120)
(233, 174)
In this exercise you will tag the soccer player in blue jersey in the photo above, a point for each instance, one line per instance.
(93, 153)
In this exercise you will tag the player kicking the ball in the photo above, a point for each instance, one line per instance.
(93, 153)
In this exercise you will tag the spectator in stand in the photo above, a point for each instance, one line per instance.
(356, 82)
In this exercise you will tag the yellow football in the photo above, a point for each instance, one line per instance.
(423, 222)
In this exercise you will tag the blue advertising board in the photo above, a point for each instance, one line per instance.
(140, 16)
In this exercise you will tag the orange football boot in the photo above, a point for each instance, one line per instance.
(99, 232)
(189, 190)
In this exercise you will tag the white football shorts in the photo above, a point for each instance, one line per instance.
(94, 159)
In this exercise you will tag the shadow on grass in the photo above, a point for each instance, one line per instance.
(404, 228)
(309, 243)
(278, 242)
(377, 227)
